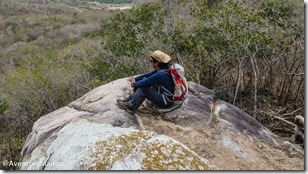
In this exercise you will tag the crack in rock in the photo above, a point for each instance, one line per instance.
(46, 162)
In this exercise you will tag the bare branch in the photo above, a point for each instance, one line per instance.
(278, 118)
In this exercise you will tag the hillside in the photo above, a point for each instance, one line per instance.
(53, 52)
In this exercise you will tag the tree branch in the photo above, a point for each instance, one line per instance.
(278, 118)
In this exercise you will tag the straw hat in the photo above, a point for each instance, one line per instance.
(160, 56)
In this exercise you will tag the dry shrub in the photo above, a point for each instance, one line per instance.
(5, 39)
(47, 42)
(35, 33)
(78, 29)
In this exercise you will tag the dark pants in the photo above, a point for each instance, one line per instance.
(152, 93)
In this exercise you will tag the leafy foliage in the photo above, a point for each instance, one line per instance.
(242, 49)
(3, 107)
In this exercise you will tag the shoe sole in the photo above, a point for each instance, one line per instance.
(126, 109)
(122, 100)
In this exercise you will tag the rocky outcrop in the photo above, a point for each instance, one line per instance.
(92, 133)
(85, 145)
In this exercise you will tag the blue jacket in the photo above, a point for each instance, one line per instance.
(159, 77)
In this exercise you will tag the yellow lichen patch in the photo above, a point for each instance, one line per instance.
(171, 156)
(147, 150)
(106, 152)
(89, 108)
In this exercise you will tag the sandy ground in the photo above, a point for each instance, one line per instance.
(209, 142)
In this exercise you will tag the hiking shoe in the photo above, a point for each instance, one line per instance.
(125, 106)
(125, 100)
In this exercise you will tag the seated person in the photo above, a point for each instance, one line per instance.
(156, 86)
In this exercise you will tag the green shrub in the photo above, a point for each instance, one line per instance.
(3, 107)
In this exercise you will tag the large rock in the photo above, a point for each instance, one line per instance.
(92, 133)
(84, 145)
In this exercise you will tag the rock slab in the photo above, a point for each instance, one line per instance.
(92, 133)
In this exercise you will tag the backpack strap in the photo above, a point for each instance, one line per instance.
(166, 92)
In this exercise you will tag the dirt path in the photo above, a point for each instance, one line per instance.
(212, 143)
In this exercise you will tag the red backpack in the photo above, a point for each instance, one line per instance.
(180, 83)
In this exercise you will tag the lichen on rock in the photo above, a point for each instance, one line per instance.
(142, 150)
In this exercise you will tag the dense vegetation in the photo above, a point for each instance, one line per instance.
(45, 62)
(250, 52)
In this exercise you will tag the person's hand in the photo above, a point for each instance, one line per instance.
(132, 82)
